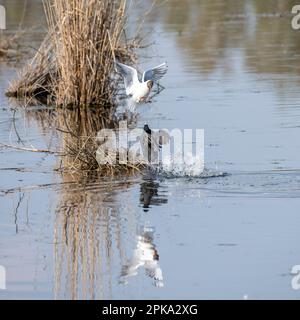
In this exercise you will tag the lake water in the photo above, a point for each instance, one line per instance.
(233, 71)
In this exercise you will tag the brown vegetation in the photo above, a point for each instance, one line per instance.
(75, 64)
(74, 70)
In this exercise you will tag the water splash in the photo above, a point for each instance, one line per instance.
(176, 166)
(179, 165)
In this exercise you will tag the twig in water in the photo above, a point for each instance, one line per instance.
(29, 149)
(15, 128)
(21, 197)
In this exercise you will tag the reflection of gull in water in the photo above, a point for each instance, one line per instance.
(138, 90)
(145, 255)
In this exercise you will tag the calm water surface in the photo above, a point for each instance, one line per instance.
(235, 72)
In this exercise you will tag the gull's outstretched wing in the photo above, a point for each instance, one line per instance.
(156, 73)
(154, 271)
(129, 74)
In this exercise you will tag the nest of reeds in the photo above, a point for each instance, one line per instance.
(80, 129)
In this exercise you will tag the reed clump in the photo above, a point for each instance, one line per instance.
(79, 129)
(75, 64)
(74, 71)
(34, 84)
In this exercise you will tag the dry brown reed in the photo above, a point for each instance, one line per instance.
(79, 129)
(75, 64)
(34, 83)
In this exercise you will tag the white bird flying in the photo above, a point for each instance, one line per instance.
(138, 90)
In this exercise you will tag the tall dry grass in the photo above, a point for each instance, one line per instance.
(34, 83)
(75, 64)
(86, 36)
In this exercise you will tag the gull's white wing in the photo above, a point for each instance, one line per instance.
(130, 76)
(156, 73)
(154, 271)
(131, 268)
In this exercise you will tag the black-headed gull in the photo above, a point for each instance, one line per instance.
(139, 90)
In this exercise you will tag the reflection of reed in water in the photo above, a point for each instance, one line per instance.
(88, 239)
(208, 31)
(90, 233)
